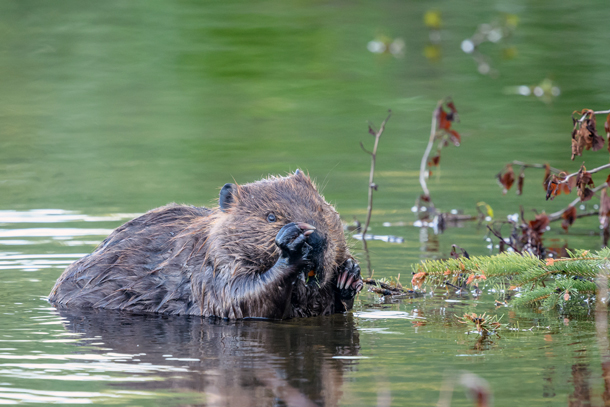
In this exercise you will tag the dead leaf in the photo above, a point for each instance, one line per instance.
(455, 137)
(434, 161)
(547, 177)
(583, 181)
(568, 216)
(556, 185)
(507, 178)
(443, 121)
(540, 223)
(607, 128)
(418, 279)
(520, 181)
(584, 133)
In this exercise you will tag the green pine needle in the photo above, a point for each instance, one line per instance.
(552, 284)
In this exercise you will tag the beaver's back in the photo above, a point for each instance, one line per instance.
(141, 266)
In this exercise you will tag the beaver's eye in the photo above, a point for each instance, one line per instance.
(271, 218)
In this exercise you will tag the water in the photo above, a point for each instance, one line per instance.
(110, 109)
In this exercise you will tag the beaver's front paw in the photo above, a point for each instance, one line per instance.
(292, 240)
(349, 281)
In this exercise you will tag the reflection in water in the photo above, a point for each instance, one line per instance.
(429, 243)
(601, 326)
(581, 397)
(299, 362)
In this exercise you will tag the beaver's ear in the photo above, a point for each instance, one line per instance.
(299, 174)
(228, 196)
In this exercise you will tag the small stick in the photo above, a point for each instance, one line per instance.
(527, 165)
(584, 116)
(557, 215)
(372, 174)
(424, 160)
(499, 236)
(593, 171)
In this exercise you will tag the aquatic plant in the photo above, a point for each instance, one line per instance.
(483, 323)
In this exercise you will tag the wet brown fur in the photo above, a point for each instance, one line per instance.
(181, 259)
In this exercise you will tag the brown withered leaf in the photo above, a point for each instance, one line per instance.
(568, 216)
(451, 107)
(452, 116)
(507, 178)
(552, 189)
(583, 181)
(547, 177)
(604, 209)
(584, 133)
(556, 185)
(607, 128)
(418, 279)
(531, 234)
(434, 161)
(520, 181)
(455, 137)
(585, 194)
(443, 121)
(539, 224)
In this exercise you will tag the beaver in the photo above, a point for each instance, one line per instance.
(272, 249)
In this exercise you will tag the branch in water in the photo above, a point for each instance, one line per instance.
(372, 185)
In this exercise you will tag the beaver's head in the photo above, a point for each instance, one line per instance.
(251, 215)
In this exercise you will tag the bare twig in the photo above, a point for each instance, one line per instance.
(499, 236)
(557, 215)
(382, 288)
(372, 185)
(528, 165)
(364, 149)
(367, 257)
(584, 116)
(593, 171)
(424, 160)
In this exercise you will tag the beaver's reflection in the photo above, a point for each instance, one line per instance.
(233, 363)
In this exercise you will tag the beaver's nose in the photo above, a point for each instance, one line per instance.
(306, 227)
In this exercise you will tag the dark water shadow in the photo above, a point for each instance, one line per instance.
(300, 362)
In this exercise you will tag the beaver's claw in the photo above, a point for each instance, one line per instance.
(349, 281)
(292, 240)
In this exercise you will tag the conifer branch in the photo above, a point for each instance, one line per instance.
(568, 282)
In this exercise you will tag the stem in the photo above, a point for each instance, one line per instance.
(499, 236)
(424, 160)
(593, 171)
(372, 174)
(584, 116)
(557, 215)
(367, 257)
(526, 165)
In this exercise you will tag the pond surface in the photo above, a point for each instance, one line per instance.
(112, 108)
